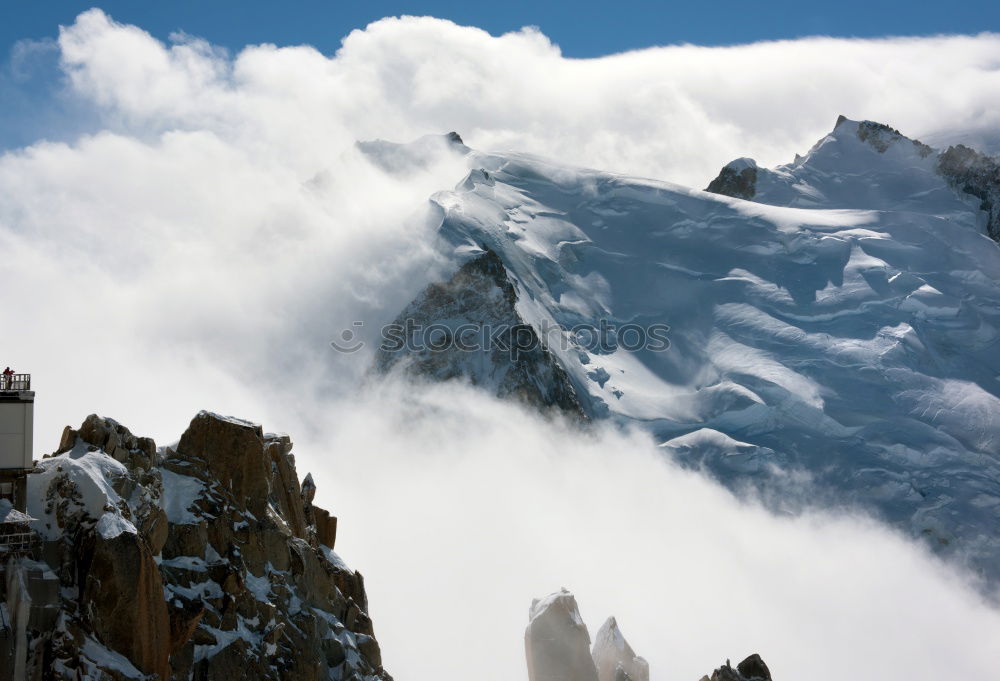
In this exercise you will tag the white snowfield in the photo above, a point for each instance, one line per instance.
(92, 473)
(833, 340)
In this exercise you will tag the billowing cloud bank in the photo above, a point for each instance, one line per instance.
(675, 113)
(202, 247)
(464, 515)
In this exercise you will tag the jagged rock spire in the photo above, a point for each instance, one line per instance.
(556, 641)
(614, 658)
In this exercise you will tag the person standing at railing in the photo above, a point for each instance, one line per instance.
(8, 374)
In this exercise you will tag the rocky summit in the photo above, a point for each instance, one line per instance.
(204, 560)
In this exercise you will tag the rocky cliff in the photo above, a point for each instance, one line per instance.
(977, 175)
(205, 560)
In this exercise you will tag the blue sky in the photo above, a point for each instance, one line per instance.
(34, 105)
(583, 28)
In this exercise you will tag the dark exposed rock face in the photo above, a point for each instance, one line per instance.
(614, 658)
(881, 137)
(977, 174)
(754, 668)
(750, 669)
(468, 327)
(207, 563)
(738, 179)
(556, 641)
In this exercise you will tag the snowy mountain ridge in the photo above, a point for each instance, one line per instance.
(868, 165)
(840, 329)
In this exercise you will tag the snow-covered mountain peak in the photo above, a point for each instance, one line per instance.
(846, 335)
(869, 165)
(868, 147)
(401, 158)
(859, 165)
(878, 136)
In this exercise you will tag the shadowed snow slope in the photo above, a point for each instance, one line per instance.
(845, 354)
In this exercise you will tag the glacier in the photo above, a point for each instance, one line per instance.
(833, 338)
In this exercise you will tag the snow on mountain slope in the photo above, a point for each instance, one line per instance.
(867, 165)
(842, 349)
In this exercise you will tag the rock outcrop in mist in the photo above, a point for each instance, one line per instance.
(469, 327)
(614, 657)
(205, 560)
(750, 669)
(556, 644)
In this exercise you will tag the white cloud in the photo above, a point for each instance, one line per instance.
(675, 113)
(457, 519)
(202, 247)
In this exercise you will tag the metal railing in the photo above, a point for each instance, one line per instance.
(17, 543)
(17, 540)
(15, 382)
